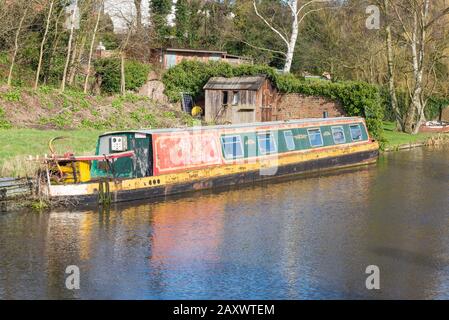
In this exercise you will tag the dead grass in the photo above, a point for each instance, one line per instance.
(438, 140)
(19, 166)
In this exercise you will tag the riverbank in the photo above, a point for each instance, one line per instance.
(20, 143)
(400, 140)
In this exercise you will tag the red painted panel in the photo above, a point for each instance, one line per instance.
(179, 151)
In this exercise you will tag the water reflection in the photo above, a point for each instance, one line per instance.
(309, 238)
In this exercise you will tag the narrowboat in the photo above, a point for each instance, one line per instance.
(147, 164)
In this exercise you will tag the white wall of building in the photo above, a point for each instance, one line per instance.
(122, 12)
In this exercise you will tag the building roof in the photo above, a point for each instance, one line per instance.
(310, 121)
(236, 83)
(194, 50)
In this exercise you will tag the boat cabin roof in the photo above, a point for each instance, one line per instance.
(237, 126)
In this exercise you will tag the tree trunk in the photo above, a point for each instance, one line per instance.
(422, 46)
(415, 113)
(16, 46)
(91, 49)
(390, 65)
(122, 74)
(138, 5)
(291, 41)
(44, 38)
(69, 49)
(122, 60)
(292, 44)
(76, 60)
(415, 101)
(55, 43)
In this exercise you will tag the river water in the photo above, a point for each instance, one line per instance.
(308, 238)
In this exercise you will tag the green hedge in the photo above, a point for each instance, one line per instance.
(136, 74)
(434, 107)
(357, 98)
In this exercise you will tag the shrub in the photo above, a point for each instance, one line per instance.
(12, 95)
(136, 74)
(357, 98)
(434, 107)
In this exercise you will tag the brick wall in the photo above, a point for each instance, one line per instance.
(298, 106)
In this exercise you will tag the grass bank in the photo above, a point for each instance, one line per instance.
(18, 144)
(396, 139)
(48, 108)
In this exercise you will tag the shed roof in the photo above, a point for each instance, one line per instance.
(194, 50)
(236, 83)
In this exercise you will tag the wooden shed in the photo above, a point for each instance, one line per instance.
(239, 99)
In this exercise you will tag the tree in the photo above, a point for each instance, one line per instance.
(390, 65)
(44, 38)
(26, 5)
(159, 11)
(182, 21)
(69, 44)
(138, 5)
(99, 8)
(298, 13)
(415, 19)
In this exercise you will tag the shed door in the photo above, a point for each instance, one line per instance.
(266, 113)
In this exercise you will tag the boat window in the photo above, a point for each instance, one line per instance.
(267, 144)
(315, 137)
(289, 141)
(356, 132)
(232, 146)
(339, 135)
